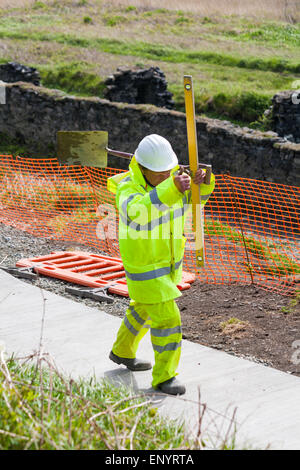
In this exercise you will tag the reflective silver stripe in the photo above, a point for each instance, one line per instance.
(126, 220)
(167, 347)
(204, 197)
(130, 327)
(179, 212)
(185, 206)
(178, 263)
(128, 178)
(154, 197)
(148, 275)
(155, 222)
(127, 201)
(156, 201)
(161, 220)
(146, 227)
(136, 316)
(149, 225)
(130, 223)
(155, 273)
(162, 332)
(185, 198)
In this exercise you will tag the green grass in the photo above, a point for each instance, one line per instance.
(72, 78)
(15, 146)
(152, 50)
(11, 146)
(61, 224)
(293, 304)
(235, 100)
(42, 410)
(39, 5)
(51, 196)
(274, 260)
(242, 107)
(236, 85)
(114, 20)
(276, 34)
(238, 65)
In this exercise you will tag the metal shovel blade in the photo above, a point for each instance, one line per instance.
(85, 148)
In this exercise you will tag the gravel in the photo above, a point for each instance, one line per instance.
(16, 244)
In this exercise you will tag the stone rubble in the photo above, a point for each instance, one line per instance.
(139, 86)
(14, 72)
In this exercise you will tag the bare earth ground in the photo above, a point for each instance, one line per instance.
(267, 334)
(266, 331)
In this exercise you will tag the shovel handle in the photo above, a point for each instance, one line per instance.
(117, 153)
(128, 156)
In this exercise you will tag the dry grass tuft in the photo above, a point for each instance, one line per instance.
(271, 9)
(234, 326)
(16, 3)
(284, 10)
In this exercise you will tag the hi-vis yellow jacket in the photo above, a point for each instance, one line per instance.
(151, 241)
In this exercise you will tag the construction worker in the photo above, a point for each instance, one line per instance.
(152, 199)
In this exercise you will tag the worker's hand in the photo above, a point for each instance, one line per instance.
(199, 176)
(182, 182)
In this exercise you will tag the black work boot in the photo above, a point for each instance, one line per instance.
(172, 387)
(131, 364)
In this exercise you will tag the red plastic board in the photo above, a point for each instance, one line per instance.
(88, 269)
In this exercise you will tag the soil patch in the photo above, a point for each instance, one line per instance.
(245, 321)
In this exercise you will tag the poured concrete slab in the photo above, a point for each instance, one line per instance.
(264, 402)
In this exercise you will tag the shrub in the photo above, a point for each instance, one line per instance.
(87, 19)
(130, 8)
(39, 5)
(113, 20)
(245, 106)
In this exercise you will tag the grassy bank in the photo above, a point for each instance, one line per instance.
(267, 9)
(40, 409)
(238, 63)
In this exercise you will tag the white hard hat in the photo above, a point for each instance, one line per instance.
(155, 153)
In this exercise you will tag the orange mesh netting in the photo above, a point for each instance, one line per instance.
(251, 227)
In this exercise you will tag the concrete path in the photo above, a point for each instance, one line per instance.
(266, 401)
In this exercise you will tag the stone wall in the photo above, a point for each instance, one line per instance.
(35, 114)
(285, 114)
(137, 86)
(15, 72)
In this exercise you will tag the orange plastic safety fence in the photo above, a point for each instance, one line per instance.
(252, 227)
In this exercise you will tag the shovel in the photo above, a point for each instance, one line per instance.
(85, 148)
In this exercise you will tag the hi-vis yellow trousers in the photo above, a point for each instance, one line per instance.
(164, 321)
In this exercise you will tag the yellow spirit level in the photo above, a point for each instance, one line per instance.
(198, 228)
